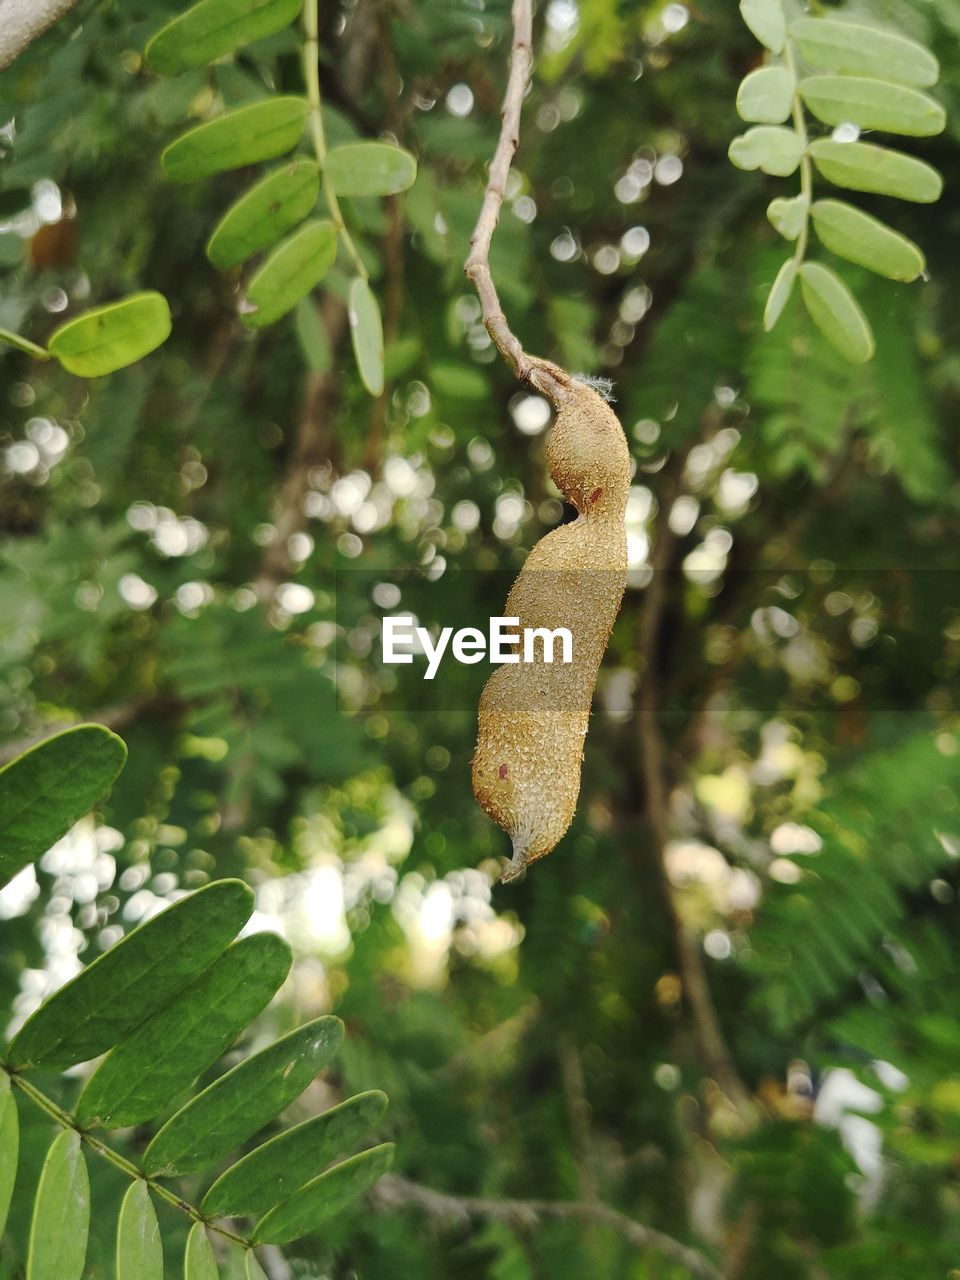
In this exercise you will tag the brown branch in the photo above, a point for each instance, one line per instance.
(713, 1046)
(546, 377)
(21, 21)
(393, 1192)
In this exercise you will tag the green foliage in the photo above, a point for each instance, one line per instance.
(291, 271)
(872, 86)
(261, 130)
(139, 1248)
(186, 1036)
(887, 829)
(274, 1171)
(61, 1215)
(245, 1100)
(44, 791)
(324, 1197)
(108, 338)
(214, 28)
(260, 217)
(266, 129)
(131, 982)
(200, 549)
(161, 1034)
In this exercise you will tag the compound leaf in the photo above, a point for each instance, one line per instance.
(44, 791)
(765, 96)
(294, 267)
(258, 131)
(872, 104)
(213, 28)
(168, 1051)
(836, 312)
(370, 169)
(243, 1100)
(861, 238)
(861, 166)
(61, 1213)
(9, 1146)
(276, 1169)
(135, 978)
(853, 49)
(265, 213)
(139, 1248)
(366, 332)
(199, 1262)
(765, 19)
(324, 1197)
(768, 148)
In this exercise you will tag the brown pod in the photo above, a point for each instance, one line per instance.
(533, 716)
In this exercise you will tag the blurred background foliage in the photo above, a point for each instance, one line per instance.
(198, 550)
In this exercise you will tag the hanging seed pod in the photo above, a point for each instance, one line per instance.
(533, 716)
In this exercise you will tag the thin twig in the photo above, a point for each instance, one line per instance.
(393, 1192)
(545, 376)
(311, 70)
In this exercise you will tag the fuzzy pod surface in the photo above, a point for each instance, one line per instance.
(533, 716)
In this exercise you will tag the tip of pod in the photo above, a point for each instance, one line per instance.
(518, 863)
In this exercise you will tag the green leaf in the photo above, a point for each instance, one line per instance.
(861, 166)
(370, 169)
(135, 978)
(872, 104)
(254, 1271)
(275, 1170)
(265, 213)
(111, 337)
(9, 1146)
(856, 50)
(199, 1262)
(788, 216)
(294, 267)
(768, 148)
(139, 1248)
(765, 19)
(312, 336)
(243, 1100)
(146, 1071)
(324, 1197)
(836, 312)
(779, 294)
(247, 135)
(61, 1213)
(765, 96)
(366, 331)
(213, 28)
(858, 237)
(44, 791)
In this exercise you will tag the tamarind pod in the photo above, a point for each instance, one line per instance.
(533, 717)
